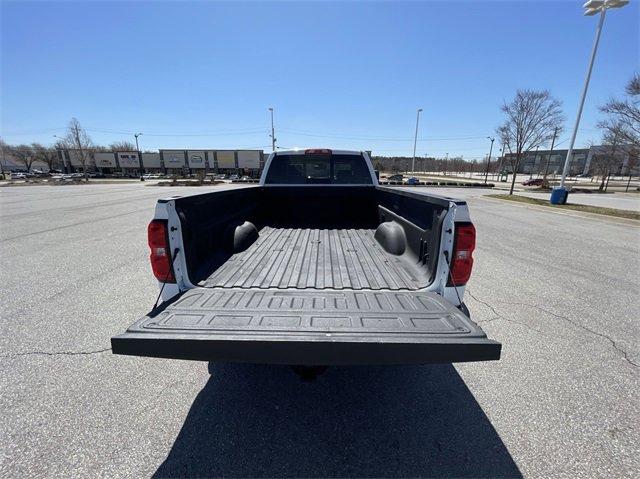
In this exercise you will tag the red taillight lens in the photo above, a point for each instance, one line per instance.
(160, 253)
(464, 243)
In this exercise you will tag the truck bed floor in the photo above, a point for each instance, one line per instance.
(316, 258)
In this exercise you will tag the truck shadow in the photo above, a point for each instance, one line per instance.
(408, 421)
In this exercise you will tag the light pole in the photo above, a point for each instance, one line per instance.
(592, 7)
(273, 134)
(415, 141)
(486, 173)
(553, 141)
(139, 155)
(61, 142)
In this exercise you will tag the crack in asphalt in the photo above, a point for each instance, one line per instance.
(55, 353)
(499, 316)
(624, 353)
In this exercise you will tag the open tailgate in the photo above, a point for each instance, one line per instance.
(308, 327)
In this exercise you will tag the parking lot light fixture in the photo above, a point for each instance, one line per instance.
(273, 133)
(559, 194)
(139, 154)
(415, 140)
(486, 173)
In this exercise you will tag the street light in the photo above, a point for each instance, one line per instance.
(273, 134)
(592, 7)
(136, 135)
(61, 142)
(415, 140)
(486, 173)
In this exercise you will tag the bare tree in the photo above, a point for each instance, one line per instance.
(23, 154)
(122, 146)
(625, 113)
(532, 117)
(78, 140)
(45, 154)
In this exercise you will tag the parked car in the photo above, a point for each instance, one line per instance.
(585, 175)
(151, 176)
(18, 175)
(395, 178)
(234, 177)
(412, 181)
(533, 182)
(306, 269)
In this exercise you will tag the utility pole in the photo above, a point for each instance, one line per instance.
(553, 142)
(139, 154)
(486, 173)
(415, 140)
(60, 143)
(2, 160)
(535, 158)
(273, 134)
(613, 159)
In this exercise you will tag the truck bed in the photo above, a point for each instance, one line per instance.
(299, 258)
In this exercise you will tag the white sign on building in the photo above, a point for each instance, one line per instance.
(76, 158)
(249, 159)
(226, 159)
(196, 159)
(128, 159)
(105, 160)
(173, 158)
(151, 160)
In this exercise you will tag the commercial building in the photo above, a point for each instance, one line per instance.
(170, 162)
(248, 162)
(582, 160)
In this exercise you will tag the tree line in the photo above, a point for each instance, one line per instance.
(76, 139)
(533, 118)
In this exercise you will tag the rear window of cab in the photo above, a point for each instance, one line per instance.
(318, 169)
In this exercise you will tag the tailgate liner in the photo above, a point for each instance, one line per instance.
(308, 327)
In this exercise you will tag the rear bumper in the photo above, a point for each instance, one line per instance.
(268, 351)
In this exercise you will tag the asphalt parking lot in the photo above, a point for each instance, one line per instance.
(560, 292)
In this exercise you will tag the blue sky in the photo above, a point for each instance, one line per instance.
(343, 74)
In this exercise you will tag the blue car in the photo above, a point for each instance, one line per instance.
(412, 181)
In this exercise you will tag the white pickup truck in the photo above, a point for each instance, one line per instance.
(315, 265)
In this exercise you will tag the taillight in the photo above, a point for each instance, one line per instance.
(160, 253)
(464, 243)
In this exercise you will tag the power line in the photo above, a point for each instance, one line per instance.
(343, 137)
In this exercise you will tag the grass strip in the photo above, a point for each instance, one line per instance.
(584, 208)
